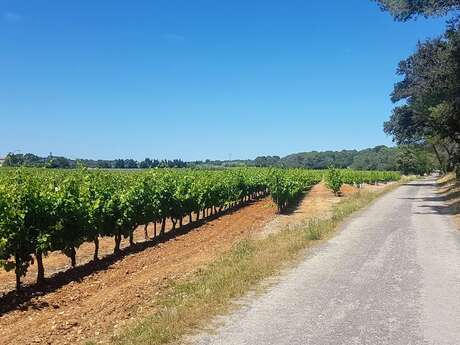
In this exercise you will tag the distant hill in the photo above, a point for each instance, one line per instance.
(377, 158)
(414, 159)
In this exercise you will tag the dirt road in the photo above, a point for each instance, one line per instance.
(391, 276)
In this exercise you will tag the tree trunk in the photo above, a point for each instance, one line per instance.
(441, 163)
(449, 152)
(96, 248)
(190, 218)
(181, 222)
(163, 227)
(40, 268)
(173, 223)
(131, 236)
(197, 216)
(146, 233)
(450, 166)
(154, 229)
(116, 250)
(17, 272)
(72, 255)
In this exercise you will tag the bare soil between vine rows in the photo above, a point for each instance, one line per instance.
(93, 300)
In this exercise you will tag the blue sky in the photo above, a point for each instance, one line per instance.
(197, 79)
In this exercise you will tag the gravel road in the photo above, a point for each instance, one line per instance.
(391, 276)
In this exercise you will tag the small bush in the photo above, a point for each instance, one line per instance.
(334, 180)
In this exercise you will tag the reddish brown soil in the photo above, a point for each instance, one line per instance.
(94, 305)
(57, 262)
(317, 204)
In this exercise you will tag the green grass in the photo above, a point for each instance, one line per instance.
(188, 305)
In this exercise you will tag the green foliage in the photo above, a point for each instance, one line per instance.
(27, 219)
(380, 158)
(43, 210)
(407, 9)
(57, 210)
(320, 160)
(56, 162)
(286, 186)
(430, 85)
(357, 178)
(334, 180)
(266, 161)
(413, 161)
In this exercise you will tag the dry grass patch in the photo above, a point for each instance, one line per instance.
(190, 304)
(450, 194)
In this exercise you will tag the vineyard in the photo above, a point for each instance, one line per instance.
(58, 210)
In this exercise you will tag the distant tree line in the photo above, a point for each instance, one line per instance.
(58, 162)
(428, 96)
(415, 159)
(408, 159)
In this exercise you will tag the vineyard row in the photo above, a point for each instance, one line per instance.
(43, 210)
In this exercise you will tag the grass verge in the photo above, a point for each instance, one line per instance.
(446, 179)
(184, 306)
(450, 194)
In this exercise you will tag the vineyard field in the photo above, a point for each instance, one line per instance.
(58, 210)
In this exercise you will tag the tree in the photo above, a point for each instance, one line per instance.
(119, 164)
(411, 160)
(103, 164)
(404, 10)
(130, 164)
(266, 161)
(59, 163)
(146, 163)
(430, 89)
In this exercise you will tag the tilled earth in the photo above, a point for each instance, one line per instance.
(94, 305)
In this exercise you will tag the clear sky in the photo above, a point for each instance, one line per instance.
(196, 79)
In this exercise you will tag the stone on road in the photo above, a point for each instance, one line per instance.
(391, 276)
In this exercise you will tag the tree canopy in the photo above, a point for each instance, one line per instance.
(404, 10)
(430, 87)
(428, 96)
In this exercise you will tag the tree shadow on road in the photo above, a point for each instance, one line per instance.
(446, 202)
